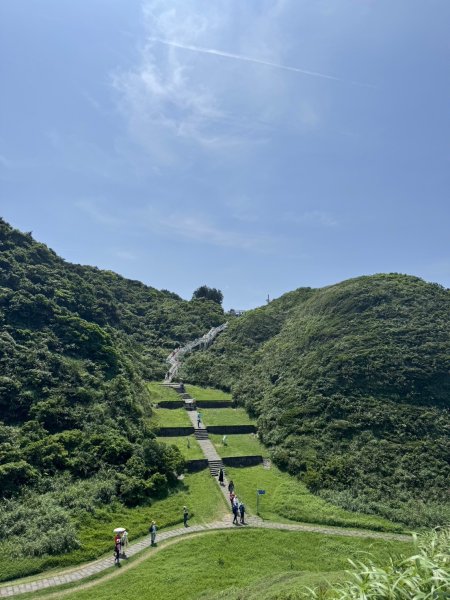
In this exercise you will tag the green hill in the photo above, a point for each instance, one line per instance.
(351, 384)
(76, 347)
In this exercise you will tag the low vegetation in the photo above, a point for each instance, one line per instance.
(243, 444)
(288, 499)
(83, 516)
(202, 565)
(225, 416)
(207, 393)
(170, 417)
(187, 445)
(426, 574)
(160, 393)
(351, 387)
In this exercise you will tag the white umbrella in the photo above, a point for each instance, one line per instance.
(119, 530)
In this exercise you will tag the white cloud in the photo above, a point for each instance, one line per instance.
(216, 76)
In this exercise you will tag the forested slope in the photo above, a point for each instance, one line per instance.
(351, 385)
(76, 346)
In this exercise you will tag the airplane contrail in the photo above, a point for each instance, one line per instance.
(257, 61)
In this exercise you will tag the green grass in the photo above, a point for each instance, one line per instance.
(228, 559)
(225, 416)
(160, 393)
(189, 452)
(288, 498)
(170, 417)
(200, 393)
(197, 491)
(243, 444)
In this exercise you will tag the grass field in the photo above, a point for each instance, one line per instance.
(190, 452)
(197, 491)
(160, 393)
(170, 417)
(244, 444)
(225, 416)
(289, 499)
(201, 566)
(200, 393)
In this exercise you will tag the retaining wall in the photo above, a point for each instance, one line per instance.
(174, 431)
(229, 429)
(194, 465)
(171, 404)
(242, 461)
(215, 403)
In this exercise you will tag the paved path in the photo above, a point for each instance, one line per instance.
(77, 574)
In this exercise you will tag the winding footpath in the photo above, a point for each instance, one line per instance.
(77, 574)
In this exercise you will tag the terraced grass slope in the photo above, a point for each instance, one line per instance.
(351, 387)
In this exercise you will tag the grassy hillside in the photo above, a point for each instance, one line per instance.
(76, 346)
(351, 385)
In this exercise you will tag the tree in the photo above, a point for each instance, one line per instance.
(208, 293)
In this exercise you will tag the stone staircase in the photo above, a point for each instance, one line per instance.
(201, 434)
(215, 466)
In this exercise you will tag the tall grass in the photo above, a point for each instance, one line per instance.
(423, 576)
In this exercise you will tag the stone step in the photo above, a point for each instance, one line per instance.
(201, 431)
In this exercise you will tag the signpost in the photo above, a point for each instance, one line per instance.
(258, 494)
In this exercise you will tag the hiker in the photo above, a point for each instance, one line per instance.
(199, 420)
(232, 495)
(231, 486)
(235, 514)
(124, 542)
(221, 476)
(117, 552)
(242, 512)
(185, 516)
(182, 388)
(153, 529)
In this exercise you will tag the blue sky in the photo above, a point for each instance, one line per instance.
(253, 146)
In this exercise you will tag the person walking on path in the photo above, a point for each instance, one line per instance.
(221, 477)
(242, 513)
(153, 529)
(117, 552)
(235, 514)
(124, 542)
(231, 486)
(199, 420)
(185, 516)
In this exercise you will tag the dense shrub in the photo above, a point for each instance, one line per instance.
(351, 384)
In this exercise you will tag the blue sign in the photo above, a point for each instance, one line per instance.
(261, 492)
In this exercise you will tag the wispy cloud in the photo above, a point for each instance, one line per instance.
(319, 218)
(98, 211)
(125, 255)
(257, 61)
(203, 230)
(181, 105)
(5, 162)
